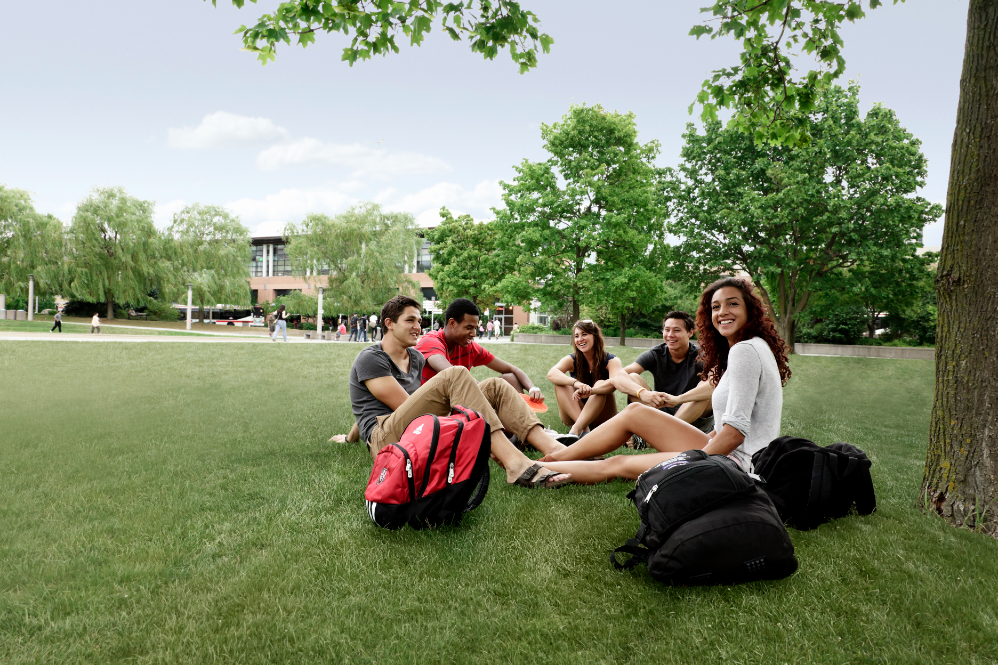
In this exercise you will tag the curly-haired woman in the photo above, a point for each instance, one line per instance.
(582, 380)
(743, 357)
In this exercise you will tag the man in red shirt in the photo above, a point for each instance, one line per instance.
(455, 344)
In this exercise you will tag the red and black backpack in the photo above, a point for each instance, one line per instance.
(438, 471)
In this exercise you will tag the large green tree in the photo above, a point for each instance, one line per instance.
(115, 253)
(463, 259)
(210, 249)
(586, 225)
(360, 256)
(961, 469)
(791, 216)
(30, 243)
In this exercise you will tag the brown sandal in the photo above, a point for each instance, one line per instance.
(530, 479)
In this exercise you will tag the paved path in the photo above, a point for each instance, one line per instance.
(261, 337)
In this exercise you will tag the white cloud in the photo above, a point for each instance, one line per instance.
(163, 214)
(426, 203)
(291, 205)
(363, 160)
(225, 130)
(268, 215)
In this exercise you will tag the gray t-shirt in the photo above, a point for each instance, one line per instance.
(672, 377)
(371, 363)
(749, 397)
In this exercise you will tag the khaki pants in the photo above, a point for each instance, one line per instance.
(494, 398)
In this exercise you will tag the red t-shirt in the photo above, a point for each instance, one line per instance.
(434, 344)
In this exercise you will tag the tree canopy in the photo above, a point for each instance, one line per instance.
(768, 101)
(30, 243)
(791, 216)
(210, 249)
(115, 249)
(464, 264)
(488, 25)
(586, 225)
(361, 256)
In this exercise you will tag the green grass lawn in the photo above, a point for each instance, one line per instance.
(68, 327)
(180, 503)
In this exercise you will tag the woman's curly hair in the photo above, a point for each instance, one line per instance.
(714, 347)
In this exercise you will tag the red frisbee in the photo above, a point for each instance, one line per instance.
(537, 405)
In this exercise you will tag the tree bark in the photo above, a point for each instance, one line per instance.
(110, 307)
(961, 464)
(623, 329)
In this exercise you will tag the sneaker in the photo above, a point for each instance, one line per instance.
(638, 443)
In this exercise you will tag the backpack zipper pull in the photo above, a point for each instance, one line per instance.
(408, 468)
(652, 491)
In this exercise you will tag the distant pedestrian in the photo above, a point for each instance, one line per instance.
(375, 328)
(488, 329)
(353, 328)
(280, 323)
(362, 328)
(342, 330)
(94, 324)
(481, 331)
(58, 321)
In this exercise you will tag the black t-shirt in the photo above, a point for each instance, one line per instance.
(672, 377)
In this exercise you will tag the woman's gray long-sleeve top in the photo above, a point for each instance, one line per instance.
(749, 397)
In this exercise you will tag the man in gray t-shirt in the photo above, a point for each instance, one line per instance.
(372, 363)
(386, 395)
(676, 370)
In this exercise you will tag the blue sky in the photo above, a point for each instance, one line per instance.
(158, 98)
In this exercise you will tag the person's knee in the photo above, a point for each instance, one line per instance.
(456, 374)
(634, 407)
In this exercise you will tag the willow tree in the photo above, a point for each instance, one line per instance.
(361, 256)
(115, 253)
(961, 468)
(30, 243)
(211, 250)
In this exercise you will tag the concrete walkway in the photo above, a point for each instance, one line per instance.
(201, 337)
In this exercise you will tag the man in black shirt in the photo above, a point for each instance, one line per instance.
(679, 391)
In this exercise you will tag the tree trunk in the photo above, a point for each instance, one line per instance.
(110, 307)
(623, 329)
(961, 465)
(575, 310)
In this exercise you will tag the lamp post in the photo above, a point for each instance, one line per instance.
(31, 297)
(318, 321)
(190, 300)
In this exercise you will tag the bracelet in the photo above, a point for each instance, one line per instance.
(639, 392)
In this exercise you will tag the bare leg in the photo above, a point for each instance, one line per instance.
(663, 432)
(511, 379)
(511, 459)
(568, 409)
(638, 379)
(595, 411)
(540, 440)
(618, 466)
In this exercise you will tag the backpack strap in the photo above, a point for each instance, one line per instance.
(639, 554)
(821, 491)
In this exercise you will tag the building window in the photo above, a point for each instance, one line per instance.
(424, 259)
(282, 267)
(429, 293)
(542, 319)
(256, 263)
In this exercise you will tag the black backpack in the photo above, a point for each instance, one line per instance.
(705, 521)
(810, 485)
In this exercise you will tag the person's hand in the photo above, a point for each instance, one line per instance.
(653, 399)
(536, 394)
(671, 400)
(582, 392)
